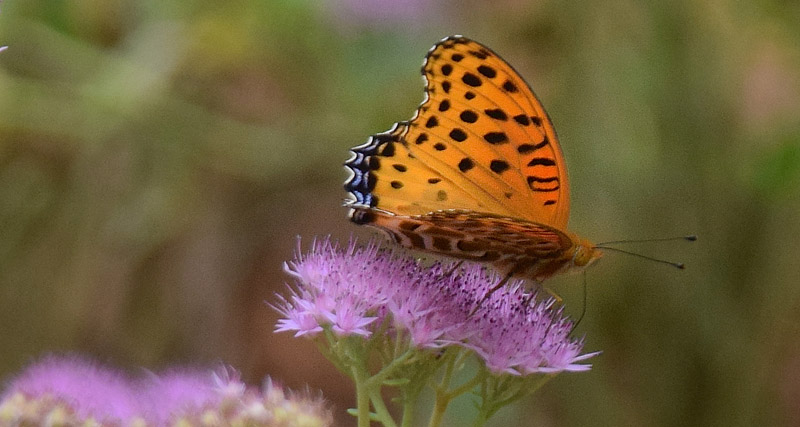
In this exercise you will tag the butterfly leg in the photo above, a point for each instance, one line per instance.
(553, 294)
(486, 296)
(455, 267)
(583, 310)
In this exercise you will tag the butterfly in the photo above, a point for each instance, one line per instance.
(476, 174)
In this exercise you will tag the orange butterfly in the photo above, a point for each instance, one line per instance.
(476, 174)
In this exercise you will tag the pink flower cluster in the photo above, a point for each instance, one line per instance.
(355, 290)
(75, 391)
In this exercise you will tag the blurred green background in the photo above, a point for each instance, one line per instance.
(158, 158)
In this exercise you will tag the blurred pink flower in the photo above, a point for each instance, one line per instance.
(175, 393)
(73, 390)
(92, 390)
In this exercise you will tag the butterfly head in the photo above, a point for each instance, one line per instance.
(584, 254)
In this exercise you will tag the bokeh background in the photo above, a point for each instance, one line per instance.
(158, 159)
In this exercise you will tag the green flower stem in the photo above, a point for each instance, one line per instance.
(450, 364)
(374, 383)
(467, 386)
(409, 407)
(439, 406)
(368, 389)
(487, 406)
(481, 419)
(400, 342)
(362, 396)
(379, 340)
(442, 399)
(496, 397)
(330, 354)
(445, 396)
(529, 387)
(424, 371)
(381, 412)
(382, 375)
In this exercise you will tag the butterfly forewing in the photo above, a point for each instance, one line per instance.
(483, 128)
(387, 176)
(477, 173)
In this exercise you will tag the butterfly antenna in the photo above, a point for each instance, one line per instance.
(583, 310)
(689, 238)
(678, 265)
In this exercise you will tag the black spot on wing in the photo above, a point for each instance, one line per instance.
(388, 150)
(498, 166)
(478, 54)
(487, 71)
(529, 148)
(541, 161)
(466, 164)
(374, 162)
(458, 135)
(533, 180)
(471, 79)
(522, 119)
(496, 137)
(510, 87)
(468, 116)
(496, 114)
